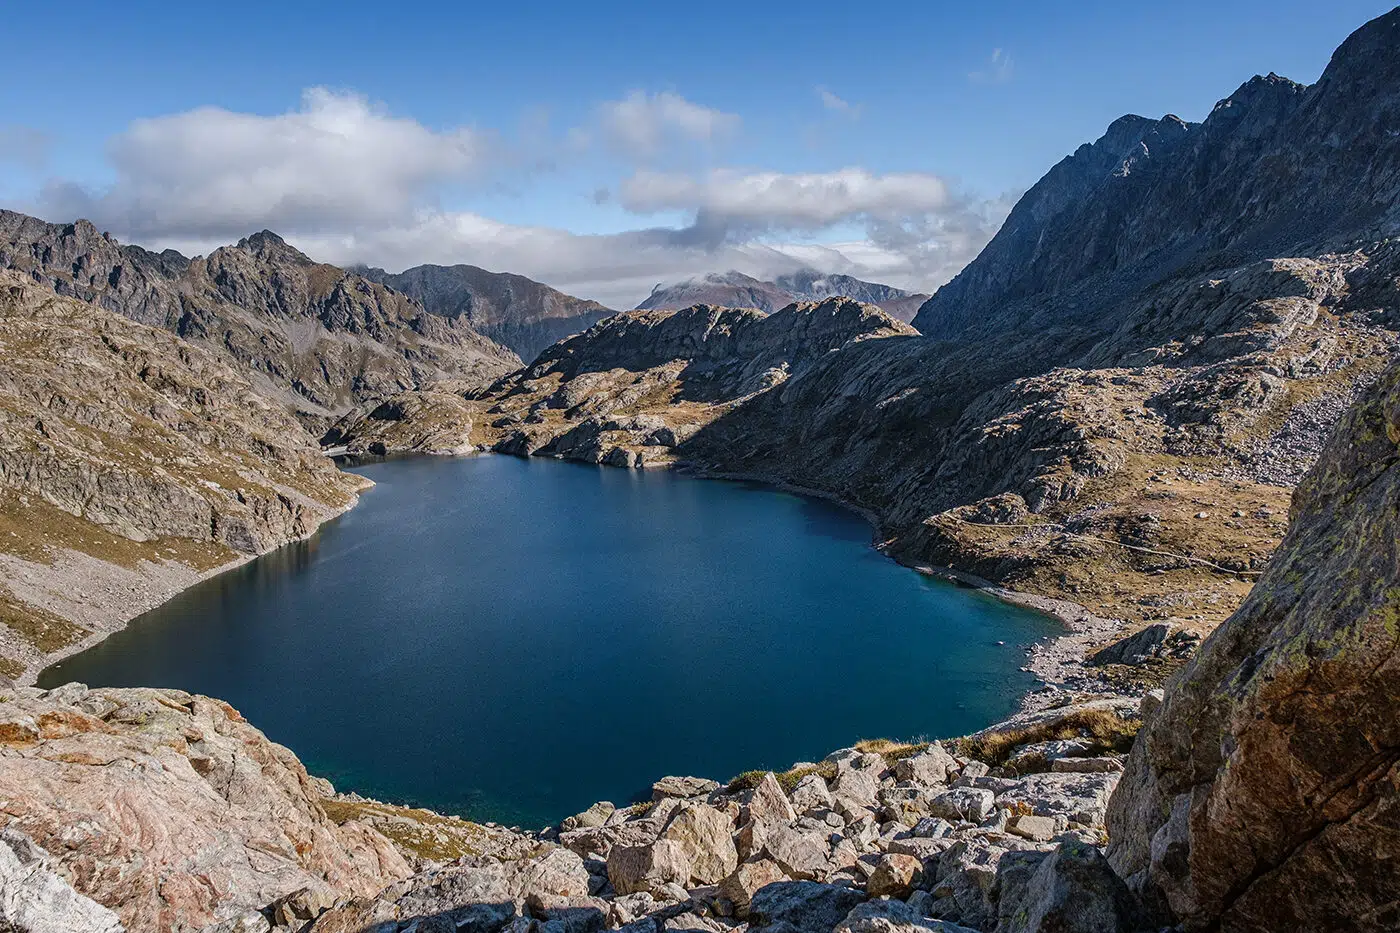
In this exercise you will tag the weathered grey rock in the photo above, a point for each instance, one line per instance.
(884, 916)
(1072, 890)
(1082, 798)
(648, 868)
(802, 855)
(705, 836)
(249, 922)
(767, 803)
(594, 816)
(929, 767)
(967, 874)
(1158, 640)
(739, 887)
(300, 906)
(682, 787)
(920, 847)
(805, 906)
(810, 794)
(973, 804)
(35, 899)
(863, 832)
(859, 785)
(1099, 764)
(905, 803)
(932, 827)
(1034, 828)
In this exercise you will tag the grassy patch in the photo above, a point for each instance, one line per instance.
(44, 630)
(787, 779)
(32, 529)
(891, 750)
(416, 833)
(1104, 730)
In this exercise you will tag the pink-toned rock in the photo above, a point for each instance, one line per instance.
(173, 812)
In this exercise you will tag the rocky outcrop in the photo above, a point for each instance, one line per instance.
(131, 462)
(35, 899)
(312, 336)
(632, 388)
(169, 810)
(1265, 792)
(847, 843)
(736, 290)
(516, 312)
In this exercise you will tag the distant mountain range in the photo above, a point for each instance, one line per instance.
(520, 313)
(737, 290)
(315, 337)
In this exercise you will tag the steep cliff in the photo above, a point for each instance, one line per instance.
(1265, 793)
(519, 313)
(313, 336)
(131, 462)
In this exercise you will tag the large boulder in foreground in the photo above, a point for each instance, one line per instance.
(170, 810)
(1265, 793)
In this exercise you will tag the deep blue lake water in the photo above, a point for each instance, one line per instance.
(514, 639)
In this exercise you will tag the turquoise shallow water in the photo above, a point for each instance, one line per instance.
(515, 639)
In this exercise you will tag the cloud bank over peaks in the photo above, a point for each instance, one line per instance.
(349, 182)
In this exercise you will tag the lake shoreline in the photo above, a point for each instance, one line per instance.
(851, 603)
(1055, 662)
(152, 576)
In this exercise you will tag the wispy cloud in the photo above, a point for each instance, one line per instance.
(837, 104)
(999, 69)
(641, 124)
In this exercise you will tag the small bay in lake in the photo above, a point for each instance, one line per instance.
(512, 639)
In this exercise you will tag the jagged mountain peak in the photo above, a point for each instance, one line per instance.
(270, 246)
(1277, 169)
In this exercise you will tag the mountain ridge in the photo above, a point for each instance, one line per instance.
(736, 290)
(312, 335)
(515, 311)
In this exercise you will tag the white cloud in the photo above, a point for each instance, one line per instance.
(349, 183)
(773, 200)
(641, 124)
(620, 269)
(998, 69)
(837, 104)
(335, 161)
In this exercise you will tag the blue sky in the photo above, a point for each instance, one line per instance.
(605, 147)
